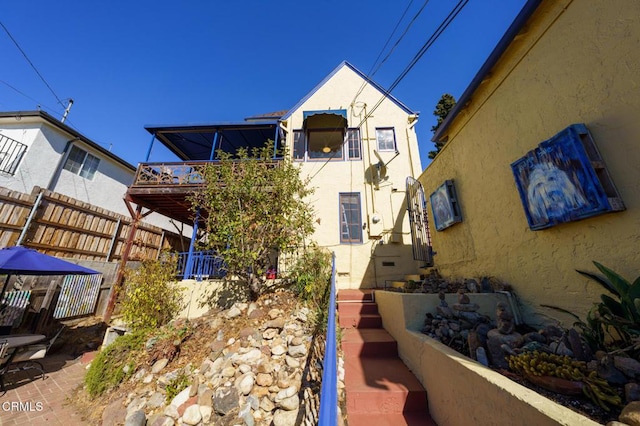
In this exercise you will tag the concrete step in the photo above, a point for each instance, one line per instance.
(382, 385)
(368, 343)
(351, 309)
(411, 418)
(360, 321)
(363, 295)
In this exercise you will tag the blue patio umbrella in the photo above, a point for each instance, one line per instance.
(20, 260)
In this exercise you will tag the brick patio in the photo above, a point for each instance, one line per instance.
(30, 400)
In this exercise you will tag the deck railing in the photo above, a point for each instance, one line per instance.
(186, 173)
(206, 264)
(328, 415)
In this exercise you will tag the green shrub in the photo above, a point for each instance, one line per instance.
(151, 298)
(311, 278)
(114, 363)
(614, 323)
(175, 386)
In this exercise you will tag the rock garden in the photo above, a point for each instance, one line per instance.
(591, 367)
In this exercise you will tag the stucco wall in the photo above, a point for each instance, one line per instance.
(575, 62)
(375, 260)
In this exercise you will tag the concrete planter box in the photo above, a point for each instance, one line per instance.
(461, 391)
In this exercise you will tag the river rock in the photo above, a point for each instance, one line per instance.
(631, 414)
(206, 413)
(628, 366)
(632, 392)
(225, 399)
(285, 418)
(297, 351)
(137, 418)
(277, 323)
(289, 404)
(278, 350)
(244, 383)
(159, 365)
(192, 415)
(233, 312)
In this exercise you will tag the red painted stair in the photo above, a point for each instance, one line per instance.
(380, 389)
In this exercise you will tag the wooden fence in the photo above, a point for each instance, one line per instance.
(64, 227)
(61, 226)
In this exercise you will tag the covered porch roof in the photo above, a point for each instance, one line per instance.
(198, 142)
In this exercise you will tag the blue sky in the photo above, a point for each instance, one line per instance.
(130, 64)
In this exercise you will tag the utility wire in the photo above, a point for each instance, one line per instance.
(372, 72)
(437, 33)
(31, 63)
(443, 25)
(26, 96)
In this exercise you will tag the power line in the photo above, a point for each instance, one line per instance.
(436, 34)
(443, 25)
(375, 69)
(31, 63)
(25, 95)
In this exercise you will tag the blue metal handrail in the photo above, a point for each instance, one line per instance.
(328, 415)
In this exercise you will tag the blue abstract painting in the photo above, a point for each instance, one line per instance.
(444, 205)
(557, 182)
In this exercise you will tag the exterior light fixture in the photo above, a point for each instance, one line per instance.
(326, 149)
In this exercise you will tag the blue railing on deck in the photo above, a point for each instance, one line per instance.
(205, 264)
(328, 415)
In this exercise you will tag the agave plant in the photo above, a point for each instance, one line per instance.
(618, 316)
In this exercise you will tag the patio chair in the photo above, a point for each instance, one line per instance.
(4, 360)
(28, 358)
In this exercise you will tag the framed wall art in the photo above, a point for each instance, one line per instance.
(444, 206)
(564, 179)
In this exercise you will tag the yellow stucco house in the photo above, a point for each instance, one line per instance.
(357, 145)
(560, 91)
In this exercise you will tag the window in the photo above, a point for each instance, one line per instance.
(325, 144)
(353, 142)
(386, 139)
(81, 163)
(299, 147)
(350, 218)
(11, 152)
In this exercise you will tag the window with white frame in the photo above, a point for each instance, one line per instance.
(350, 218)
(354, 151)
(386, 139)
(82, 163)
(323, 144)
(11, 153)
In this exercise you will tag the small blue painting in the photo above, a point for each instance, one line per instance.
(557, 182)
(444, 205)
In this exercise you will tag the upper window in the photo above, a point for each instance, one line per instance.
(11, 152)
(81, 163)
(353, 141)
(299, 145)
(327, 144)
(350, 218)
(386, 139)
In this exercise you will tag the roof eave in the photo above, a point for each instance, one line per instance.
(362, 75)
(494, 57)
(74, 133)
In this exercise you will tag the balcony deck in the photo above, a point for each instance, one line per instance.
(165, 187)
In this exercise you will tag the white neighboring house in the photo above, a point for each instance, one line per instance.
(37, 150)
